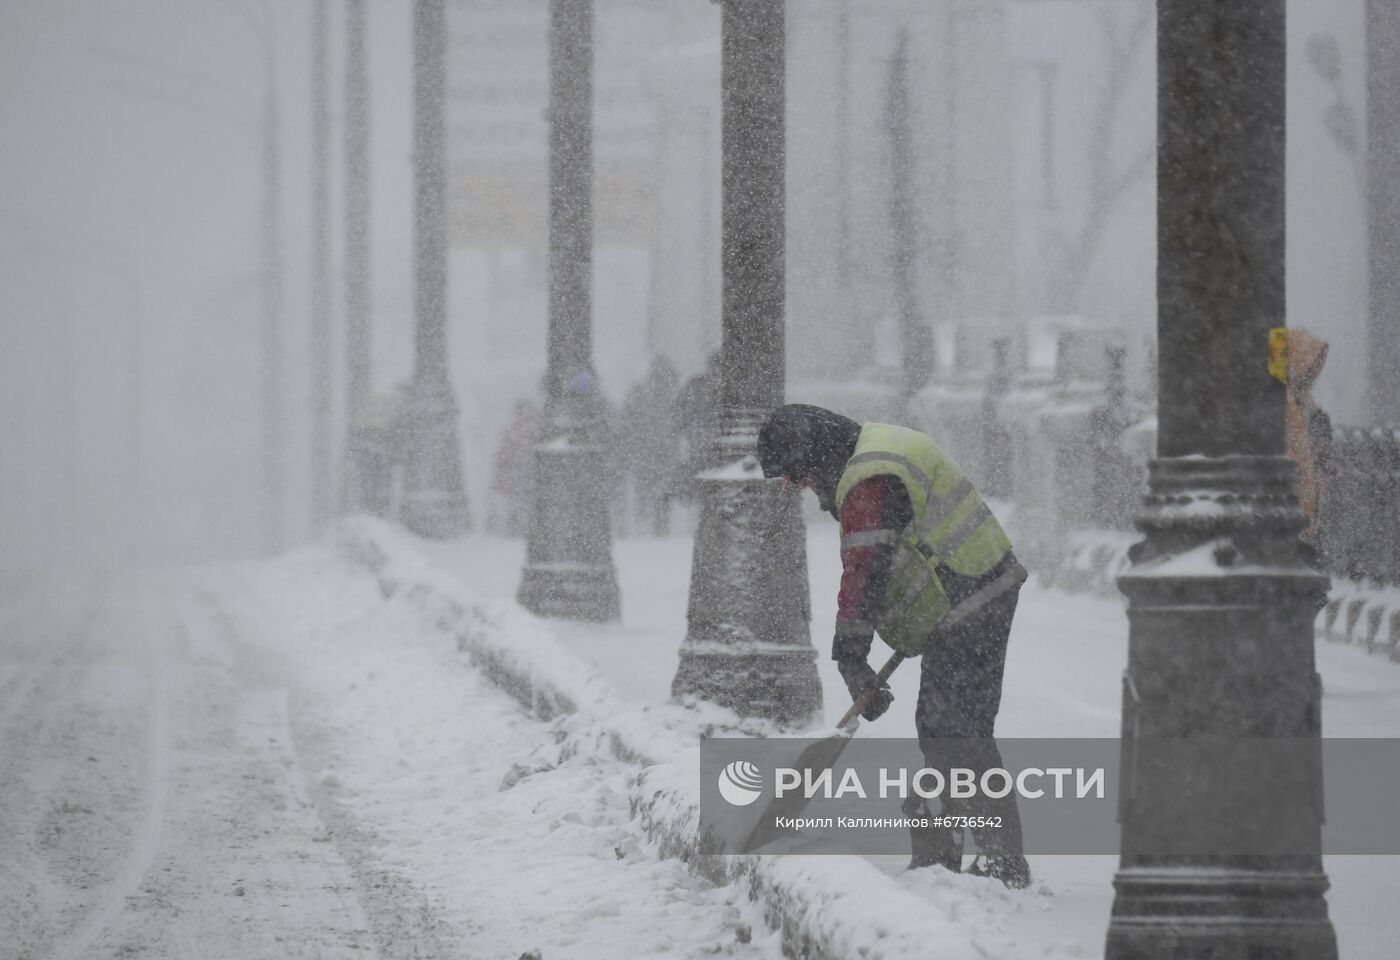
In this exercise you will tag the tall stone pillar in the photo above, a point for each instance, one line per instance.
(321, 378)
(747, 644)
(1383, 209)
(1221, 595)
(273, 425)
(569, 569)
(357, 237)
(434, 501)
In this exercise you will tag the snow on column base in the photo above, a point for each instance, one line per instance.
(569, 572)
(777, 684)
(434, 499)
(748, 644)
(567, 591)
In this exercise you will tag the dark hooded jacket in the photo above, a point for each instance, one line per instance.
(812, 445)
(808, 444)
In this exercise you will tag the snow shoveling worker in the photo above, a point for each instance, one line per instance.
(927, 566)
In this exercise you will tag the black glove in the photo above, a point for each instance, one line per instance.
(859, 678)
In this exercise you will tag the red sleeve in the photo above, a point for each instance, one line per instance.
(862, 512)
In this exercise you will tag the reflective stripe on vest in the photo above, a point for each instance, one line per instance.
(866, 538)
(951, 525)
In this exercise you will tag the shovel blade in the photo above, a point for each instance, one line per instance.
(821, 755)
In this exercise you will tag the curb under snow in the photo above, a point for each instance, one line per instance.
(825, 907)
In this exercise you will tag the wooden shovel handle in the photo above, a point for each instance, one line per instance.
(880, 679)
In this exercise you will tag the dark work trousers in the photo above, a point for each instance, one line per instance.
(959, 695)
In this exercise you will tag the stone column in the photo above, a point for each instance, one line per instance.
(357, 261)
(915, 338)
(747, 643)
(1221, 641)
(434, 502)
(273, 414)
(569, 569)
(1383, 209)
(321, 378)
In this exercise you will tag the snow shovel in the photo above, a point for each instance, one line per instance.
(817, 756)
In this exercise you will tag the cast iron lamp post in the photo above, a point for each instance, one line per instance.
(747, 643)
(1221, 595)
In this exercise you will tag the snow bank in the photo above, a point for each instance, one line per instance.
(533, 668)
(824, 907)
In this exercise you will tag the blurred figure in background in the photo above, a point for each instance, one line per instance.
(513, 474)
(697, 415)
(376, 451)
(600, 426)
(1309, 428)
(650, 448)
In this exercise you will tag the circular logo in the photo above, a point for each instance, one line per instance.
(740, 783)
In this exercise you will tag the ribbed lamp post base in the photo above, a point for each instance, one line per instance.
(748, 645)
(1223, 913)
(569, 572)
(434, 503)
(1220, 603)
(569, 591)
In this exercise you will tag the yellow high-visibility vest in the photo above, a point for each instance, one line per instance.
(952, 525)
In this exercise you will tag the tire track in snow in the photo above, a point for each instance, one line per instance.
(397, 919)
(20, 608)
(54, 658)
(156, 788)
(48, 641)
(403, 922)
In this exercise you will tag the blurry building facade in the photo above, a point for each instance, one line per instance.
(1032, 138)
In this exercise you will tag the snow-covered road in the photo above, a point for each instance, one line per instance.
(157, 792)
(269, 762)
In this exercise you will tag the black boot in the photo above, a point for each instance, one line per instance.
(1012, 870)
(932, 846)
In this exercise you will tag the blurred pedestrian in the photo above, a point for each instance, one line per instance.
(697, 415)
(513, 474)
(376, 450)
(649, 446)
(588, 403)
(1308, 427)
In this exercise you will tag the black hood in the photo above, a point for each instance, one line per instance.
(810, 444)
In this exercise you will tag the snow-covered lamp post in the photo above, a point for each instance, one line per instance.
(434, 501)
(1221, 595)
(569, 569)
(747, 644)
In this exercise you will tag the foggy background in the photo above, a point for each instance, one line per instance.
(131, 178)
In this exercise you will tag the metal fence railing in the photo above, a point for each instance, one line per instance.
(1360, 525)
